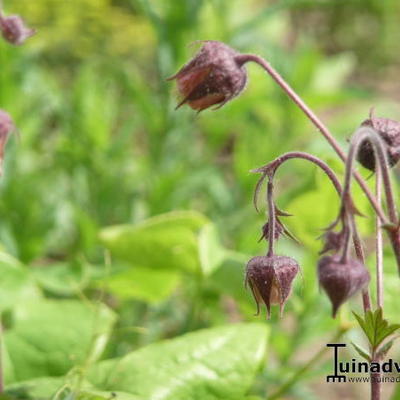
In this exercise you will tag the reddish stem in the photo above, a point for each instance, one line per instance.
(243, 58)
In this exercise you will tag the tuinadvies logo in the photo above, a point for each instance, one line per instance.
(341, 368)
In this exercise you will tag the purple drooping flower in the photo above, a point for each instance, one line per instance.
(341, 280)
(212, 77)
(14, 30)
(389, 131)
(270, 279)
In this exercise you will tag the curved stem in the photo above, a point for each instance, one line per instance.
(271, 168)
(366, 133)
(243, 58)
(362, 134)
(346, 247)
(360, 256)
(271, 218)
(378, 243)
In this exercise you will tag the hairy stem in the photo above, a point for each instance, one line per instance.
(271, 168)
(360, 256)
(378, 243)
(362, 134)
(271, 218)
(375, 380)
(243, 58)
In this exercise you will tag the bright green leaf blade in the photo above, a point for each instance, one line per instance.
(16, 283)
(386, 332)
(362, 352)
(382, 352)
(50, 337)
(106, 396)
(366, 328)
(151, 286)
(211, 252)
(213, 364)
(168, 241)
(62, 278)
(38, 388)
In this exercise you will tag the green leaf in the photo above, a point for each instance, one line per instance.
(376, 328)
(168, 241)
(363, 353)
(62, 278)
(38, 388)
(151, 286)
(211, 253)
(382, 352)
(16, 283)
(50, 337)
(94, 395)
(212, 364)
(364, 326)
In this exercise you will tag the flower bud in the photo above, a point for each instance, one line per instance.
(279, 230)
(14, 30)
(270, 279)
(6, 127)
(341, 280)
(389, 131)
(333, 241)
(212, 77)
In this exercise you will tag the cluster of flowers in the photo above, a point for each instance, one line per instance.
(216, 75)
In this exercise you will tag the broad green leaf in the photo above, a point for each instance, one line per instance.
(214, 364)
(16, 283)
(63, 278)
(168, 241)
(144, 284)
(211, 252)
(38, 388)
(95, 395)
(49, 337)
(363, 353)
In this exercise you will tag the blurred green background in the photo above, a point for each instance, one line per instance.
(125, 222)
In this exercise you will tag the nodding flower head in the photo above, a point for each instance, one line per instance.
(341, 280)
(389, 131)
(270, 279)
(14, 30)
(212, 77)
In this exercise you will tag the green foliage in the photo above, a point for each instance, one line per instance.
(163, 242)
(375, 327)
(200, 365)
(204, 364)
(49, 337)
(125, 223)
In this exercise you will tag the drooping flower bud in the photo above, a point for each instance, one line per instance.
(341, 280)
(279, 230)
(14, 30)
(212, 77)
(6, 127)
(333, 241)
(270, 279)
(389, 131)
